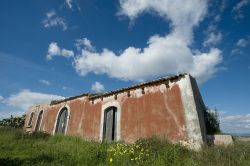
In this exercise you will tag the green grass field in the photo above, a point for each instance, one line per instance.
(17, 148)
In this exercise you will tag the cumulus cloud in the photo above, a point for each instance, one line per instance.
(84, 43)
(26, 98)
(52, 20)
(1, 98)
(237, 9)
(236, 123)
(45, 82)
(163, 54)
(212, 39)
(97, 87)
(55, 50)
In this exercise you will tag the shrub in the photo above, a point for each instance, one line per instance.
(212, 121)
(16, 122)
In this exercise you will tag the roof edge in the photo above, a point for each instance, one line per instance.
(90, 96)
(53, 102)
(142, 85)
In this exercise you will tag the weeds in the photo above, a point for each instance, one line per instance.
(18, 148)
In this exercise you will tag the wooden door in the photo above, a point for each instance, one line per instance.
(62, 121)
(110, 124)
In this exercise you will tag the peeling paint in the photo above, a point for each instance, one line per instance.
(191, 113)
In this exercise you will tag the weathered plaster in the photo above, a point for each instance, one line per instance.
(193, 127)
(167, 109)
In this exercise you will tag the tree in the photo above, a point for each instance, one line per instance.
(16, 122)
(212, 121)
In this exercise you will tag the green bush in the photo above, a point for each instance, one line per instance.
(16, 122)
(212, 121)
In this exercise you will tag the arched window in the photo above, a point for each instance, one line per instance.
(110, 124)
(39, 120)
(31, 119)
(62, 120)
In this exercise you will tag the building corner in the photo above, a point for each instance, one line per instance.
(193, 111)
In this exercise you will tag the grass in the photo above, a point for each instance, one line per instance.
(18, 148)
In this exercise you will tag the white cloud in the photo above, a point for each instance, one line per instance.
(236, 51)
(45, 82)
(85, 43)
(97, 87)
(26, 98)
(1, 98)
(213, 36)
(237, 9)
(212, 39)
(236, 123)
(72, 4)
(222, 7)
(67, 53)
(50, 14)
(215, 12)
(242, 43)
(65, 88)
(69, 3)
(8, 113)
(55, 50)
(178, 12)
(52, 20)
(164, 54)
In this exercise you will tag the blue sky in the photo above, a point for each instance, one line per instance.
(57, 48)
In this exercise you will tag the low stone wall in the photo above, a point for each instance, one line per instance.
(241, 138)
(220, 139)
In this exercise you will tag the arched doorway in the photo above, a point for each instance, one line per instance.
(110, 124)
(39, 120)
(62, 121)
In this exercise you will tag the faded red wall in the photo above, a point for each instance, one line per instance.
(154, 113)
(84, 118)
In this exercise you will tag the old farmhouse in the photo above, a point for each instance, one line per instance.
(169, 108)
